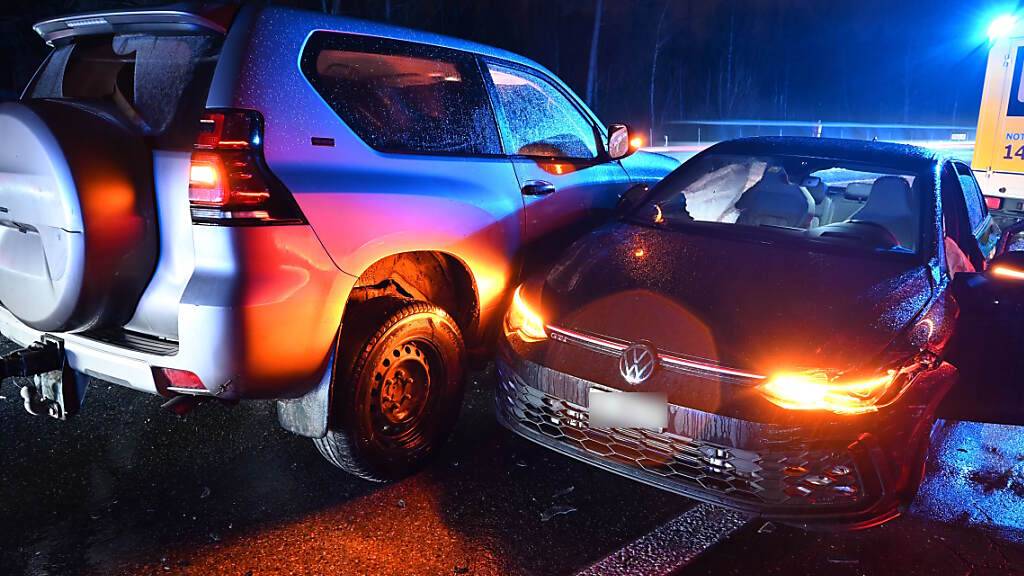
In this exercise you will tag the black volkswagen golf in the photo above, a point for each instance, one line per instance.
(772, 328)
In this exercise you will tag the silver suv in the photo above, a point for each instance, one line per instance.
(263, 203)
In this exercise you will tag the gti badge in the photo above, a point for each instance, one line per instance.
(638, 362)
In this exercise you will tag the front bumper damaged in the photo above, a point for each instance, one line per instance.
(771, 471)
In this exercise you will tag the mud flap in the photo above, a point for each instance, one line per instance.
(307, 415)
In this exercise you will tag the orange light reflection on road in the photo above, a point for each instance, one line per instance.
(381, 533)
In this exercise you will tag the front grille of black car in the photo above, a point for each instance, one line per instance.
(783, 472)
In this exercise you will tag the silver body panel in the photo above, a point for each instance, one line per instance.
(157, 313)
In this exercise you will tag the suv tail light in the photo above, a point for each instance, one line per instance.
(229, 183)
(993, 202)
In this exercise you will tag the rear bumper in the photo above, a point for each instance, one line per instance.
(257, 319)
(1009, 188)
(89, 357)
(771, 471)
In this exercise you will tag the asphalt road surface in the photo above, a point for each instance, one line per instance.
(125, 488)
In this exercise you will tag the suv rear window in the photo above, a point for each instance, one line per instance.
(149, 79)
(401, 96)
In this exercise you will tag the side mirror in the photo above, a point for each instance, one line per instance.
(631, 199)
(999, 289)
(1010, 239)
(618, 141)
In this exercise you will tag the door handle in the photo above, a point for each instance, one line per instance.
(538, 188)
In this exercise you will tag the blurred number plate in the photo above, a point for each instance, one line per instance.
(647, 410)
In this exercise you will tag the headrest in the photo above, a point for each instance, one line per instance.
(776, 174)
(858, 190)
(891, 185)
(775, 201)
(817, 187)
(892, 192)
(891, 205)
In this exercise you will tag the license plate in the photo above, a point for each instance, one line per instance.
(646, 410)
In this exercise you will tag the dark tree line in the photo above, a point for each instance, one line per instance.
(658, 61)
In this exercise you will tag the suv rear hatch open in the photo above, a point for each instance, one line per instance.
(78, 223)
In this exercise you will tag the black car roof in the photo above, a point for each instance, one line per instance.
(860, 151)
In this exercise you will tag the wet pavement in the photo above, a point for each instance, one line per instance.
(125, 488)
(967, 519)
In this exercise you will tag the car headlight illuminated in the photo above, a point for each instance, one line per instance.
(819, 390)
(524, 321)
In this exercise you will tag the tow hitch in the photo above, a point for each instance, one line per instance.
(55, 389)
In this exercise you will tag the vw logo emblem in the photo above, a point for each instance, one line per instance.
(637, 363)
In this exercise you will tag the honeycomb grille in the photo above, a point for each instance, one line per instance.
(783, 473)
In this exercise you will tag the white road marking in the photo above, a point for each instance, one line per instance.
(671, 547)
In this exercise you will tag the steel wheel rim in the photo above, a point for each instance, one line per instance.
(404, 390)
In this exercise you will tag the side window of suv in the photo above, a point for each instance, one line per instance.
(538, 119)
(402, 96)
(976, 209)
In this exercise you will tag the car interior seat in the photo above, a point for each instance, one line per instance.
(818, 190)
(775, 201)
(852, 199)
(891, 205)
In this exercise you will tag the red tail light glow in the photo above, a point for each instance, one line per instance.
(178, 380)
(228, 181)
(993, 202)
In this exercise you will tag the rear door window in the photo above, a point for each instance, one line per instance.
(402, 96)
(538, 120)
(157, 82)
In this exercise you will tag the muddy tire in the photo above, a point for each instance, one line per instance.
(397, 391)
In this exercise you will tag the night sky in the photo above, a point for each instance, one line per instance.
(917, 61)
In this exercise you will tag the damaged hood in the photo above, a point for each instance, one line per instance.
(750, 304)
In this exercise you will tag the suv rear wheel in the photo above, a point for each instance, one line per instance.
(398, 388)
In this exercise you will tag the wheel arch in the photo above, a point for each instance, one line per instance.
(434, 276)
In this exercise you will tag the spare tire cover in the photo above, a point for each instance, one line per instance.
(78, 231)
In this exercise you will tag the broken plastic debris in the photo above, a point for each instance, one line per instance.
(401, 503)
(557, 510)
(205, 493)
(565, 492)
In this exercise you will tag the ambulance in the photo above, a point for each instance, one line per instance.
(999, 147)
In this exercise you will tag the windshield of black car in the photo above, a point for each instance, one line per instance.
(823, 200)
